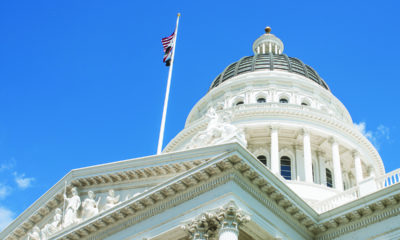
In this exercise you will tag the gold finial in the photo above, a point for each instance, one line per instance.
(268, 30)
(179, 14)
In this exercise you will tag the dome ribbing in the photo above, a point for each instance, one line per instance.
(271, 62)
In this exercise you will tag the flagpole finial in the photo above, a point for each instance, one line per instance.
(267, 29)
(179, 14)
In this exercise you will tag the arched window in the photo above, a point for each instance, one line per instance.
(328, 178)
(283, 100)
(261, 100)
(286, 170)
(239, 103)
(262, 159)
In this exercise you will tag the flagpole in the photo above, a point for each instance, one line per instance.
(161, 137)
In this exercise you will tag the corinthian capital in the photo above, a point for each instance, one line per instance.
(231, 216)
(202, 227)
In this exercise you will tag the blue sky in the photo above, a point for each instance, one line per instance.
(82, 82)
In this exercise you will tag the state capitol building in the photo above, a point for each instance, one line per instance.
(268, 153)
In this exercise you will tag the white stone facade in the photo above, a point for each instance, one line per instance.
(265, 154)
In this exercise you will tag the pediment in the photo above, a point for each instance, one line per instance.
(199, 171)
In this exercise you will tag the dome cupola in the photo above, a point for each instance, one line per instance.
(268, 56)
(268, 43)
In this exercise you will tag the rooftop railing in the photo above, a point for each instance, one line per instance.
(388, 179)
(337, 200)
(384, 181)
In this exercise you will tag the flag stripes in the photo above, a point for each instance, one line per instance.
(168, 45)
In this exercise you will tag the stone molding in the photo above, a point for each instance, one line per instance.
(290, 111)
(247, 172)
(276, 81)
(54, 197)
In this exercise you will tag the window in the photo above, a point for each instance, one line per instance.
(328, 178)
(239, 103)
(286, 168)
(262, 159)
(283, 100)
(261, 100)
(304, 104)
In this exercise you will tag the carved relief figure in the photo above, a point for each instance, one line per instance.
(54, 226)
(219, 130)
(111, 200)
(71, 211)
(89, 206)
(35, 234)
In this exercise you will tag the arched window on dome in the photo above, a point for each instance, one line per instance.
(261, 100)
(329, 182)
(286, 168)
(283, 100)
(262, 159)
(239, 101)
(306, 102)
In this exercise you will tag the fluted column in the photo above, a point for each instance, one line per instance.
(358, 167)
(299, 162)
(307, 157)
(229, 233)
(337, 169)
(322, 168)
(274, 150)
(231, 217)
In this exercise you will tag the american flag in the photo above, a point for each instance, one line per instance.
(168, 45)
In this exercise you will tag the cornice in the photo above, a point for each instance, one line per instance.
(290, 112)
(272, 79)
(246, 171)
(108, 174)
(192, 183)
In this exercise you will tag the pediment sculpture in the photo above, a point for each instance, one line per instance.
(111, 200)
(90, 207)
(75, 212)
(219, 130)
(71, 211)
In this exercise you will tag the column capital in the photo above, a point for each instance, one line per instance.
(202, 227)
(231, 212)
(320, 153)
(225, 219)
(297, 147)
(333, 140)
(230, 217)
(275, 126)
(356, 153)
(305, 131)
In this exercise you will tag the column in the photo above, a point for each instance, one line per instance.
(231, 217)
(337, 169)
(322, 168)
(299, 162)
(307, 157)
(274, 151)
(358, 167)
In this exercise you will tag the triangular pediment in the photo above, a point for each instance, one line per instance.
(196, 173)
